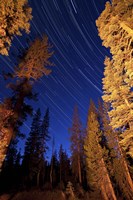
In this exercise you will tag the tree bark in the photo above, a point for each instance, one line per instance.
(126, 170)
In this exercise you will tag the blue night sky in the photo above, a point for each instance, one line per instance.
(78, 58)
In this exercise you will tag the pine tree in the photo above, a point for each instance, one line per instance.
(54, 173)
(52, 163)
(44, 138)
(32, 159)
(64, 165)
(17, 111)
(76, 146)
(116, 30)
(14, 18)
(30, 67)
(45, 132)
(97, 174)
(61, 161)
(33, 64)
(115, 160)
(4, 115)
(8, 174)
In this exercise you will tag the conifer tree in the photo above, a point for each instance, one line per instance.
(61, 161)
(76, 147)
(14, 18)
(9, 173)
(44, 138)
(45, 132)
(115, 160)
(4, 115)
(64, 165)
(97, 174)
(36, 60)
(116, 30)
(30, 67)
(54, 166)
(32, 160)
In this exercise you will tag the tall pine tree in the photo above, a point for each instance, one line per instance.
(97, 174)
(32, 66)
(116, 30)
(32, 159)
(115, 159)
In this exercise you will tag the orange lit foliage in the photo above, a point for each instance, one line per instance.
(4, 116)
(116, 30)
(14, 17)
(116, 163)
(33, 65)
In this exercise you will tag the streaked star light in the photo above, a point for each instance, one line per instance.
(78, 57)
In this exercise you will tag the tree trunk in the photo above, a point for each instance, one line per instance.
(38, 178)
(126, 170)
(79, 170)
(60, 173)
(104, 195)
(51, 175)
(9, 131)
(106, 183)
(7, 135)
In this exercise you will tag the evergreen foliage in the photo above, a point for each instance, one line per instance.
(97, 175)
(116, 30)
(14, 18)
(33, 64)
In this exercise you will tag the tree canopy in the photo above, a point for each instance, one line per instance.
(14, 18)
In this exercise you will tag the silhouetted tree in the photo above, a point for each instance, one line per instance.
(55, 169)
(64, 163)
(32, 158)
(45, 132)
(9, 174)
(44, 138)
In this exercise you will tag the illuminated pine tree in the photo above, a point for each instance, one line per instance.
(14, 18)
(116, 162)
(116, 30)
(5, 113)
(36, 59)
(97, 175)
(32, 66)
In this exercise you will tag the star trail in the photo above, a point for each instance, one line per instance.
(78, 58)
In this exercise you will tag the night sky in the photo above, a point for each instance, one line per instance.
(78, 58)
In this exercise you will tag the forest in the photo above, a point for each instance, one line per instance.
(100, 166)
